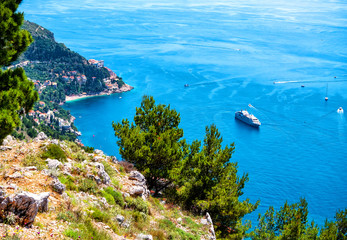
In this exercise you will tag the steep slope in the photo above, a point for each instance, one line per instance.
(91, 196)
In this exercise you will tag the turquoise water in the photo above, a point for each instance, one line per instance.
(230, 53)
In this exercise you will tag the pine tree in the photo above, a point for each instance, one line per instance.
(17, 94)
(152, 142)
(208, 182)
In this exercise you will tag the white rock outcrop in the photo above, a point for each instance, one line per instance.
(24, 206)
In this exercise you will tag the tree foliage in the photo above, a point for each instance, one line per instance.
(209, 182)
(203, 178)
(152, 142)
(17, 93)
(291, 222)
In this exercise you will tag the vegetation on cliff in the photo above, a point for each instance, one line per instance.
(17, 94)
(92, 196)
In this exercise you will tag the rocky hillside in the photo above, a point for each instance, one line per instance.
(52, 189)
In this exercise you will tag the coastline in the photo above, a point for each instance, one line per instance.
(124, 88)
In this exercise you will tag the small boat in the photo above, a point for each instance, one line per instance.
(245, 117)
(186, 85)
(326, 94)
(340, 110)
(302, 85)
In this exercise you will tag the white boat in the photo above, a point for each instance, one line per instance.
(248, 118)
(340, 110)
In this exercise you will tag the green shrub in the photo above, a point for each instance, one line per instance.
(69, 182)
(88, 185)
(109, 198)
(156, 203)
(99, 215)
(166, 224)
(109, 170)
(86, 230)
(187, 221)
(116, 183)
(139, 220)
(117, 196)
(138, 204)
(55, 152)
(79, 156)
(67, 216)
(175, 233)
(88, 149)
(33, 160)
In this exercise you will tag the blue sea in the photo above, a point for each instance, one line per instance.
(231, 53)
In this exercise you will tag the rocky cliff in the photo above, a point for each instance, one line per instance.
(52, 189)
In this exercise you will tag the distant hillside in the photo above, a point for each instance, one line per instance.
(46, 59)
(58, 72)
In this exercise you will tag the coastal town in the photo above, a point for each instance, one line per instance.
(111, 83)
(47, 112)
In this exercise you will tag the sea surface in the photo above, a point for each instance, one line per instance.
(231, 53)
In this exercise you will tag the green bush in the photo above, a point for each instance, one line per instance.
(175, 233)
(138, 204)
(55, 152)
(69, 182)
(67, 216)
(109, 170)
(88, 149)
(86, 230)
(109, 198)
(99, 215)
(117, 196)
(88, 185)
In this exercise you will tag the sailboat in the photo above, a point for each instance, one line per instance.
(326, 94)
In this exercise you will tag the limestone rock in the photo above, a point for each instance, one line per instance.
(98, 159)
(7, 141)
(58, 186)
(125, 224)
(99, 152)
(53, 163)
(5, 148)
(144, 237)
(211, 229)
(31, 168)
(16, 175)
(114, 160)
(136, 175)
(55, 141)
(136, 191)
(102, 174)
(140, 188)
(120, 219)
(67, 167)
(41, 136)
(204, 221)
(12, 186)
(25, 206)
(95, 178)
(104, 202)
